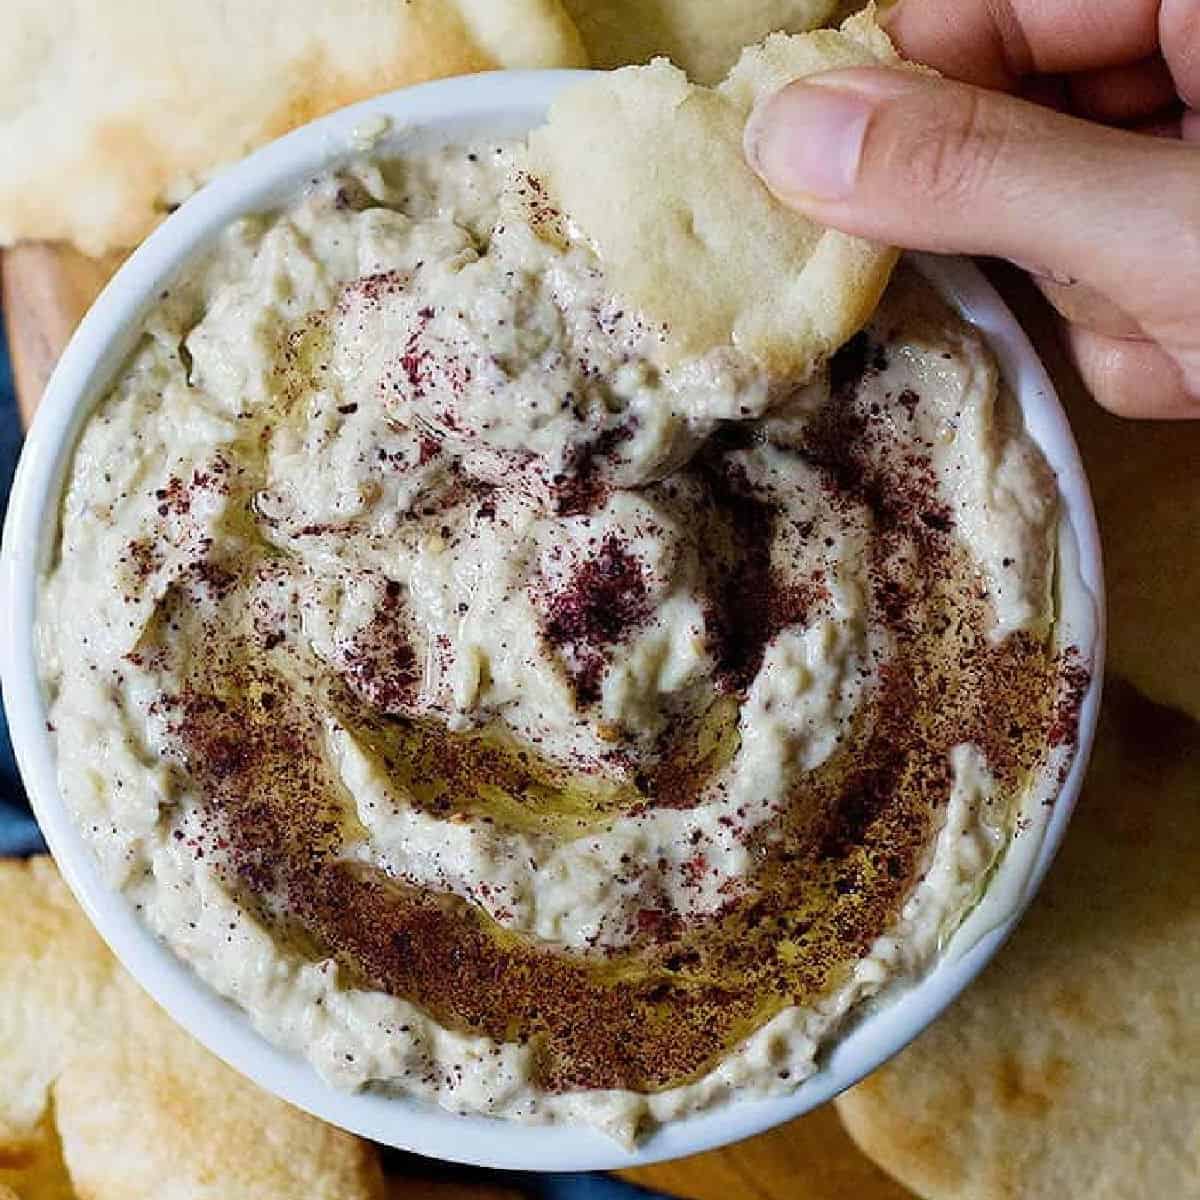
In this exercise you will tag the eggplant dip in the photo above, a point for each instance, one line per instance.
(508, 710)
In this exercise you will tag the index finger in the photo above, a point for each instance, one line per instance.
(994, 43)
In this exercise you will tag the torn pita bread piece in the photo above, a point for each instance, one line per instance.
(1069, 1067)
(701, 37)
(649, 167)
(103, 1096)
(110, 113)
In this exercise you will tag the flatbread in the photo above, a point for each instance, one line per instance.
(702, 37)
(109, 113)
(650, 168)
(1069, 1067)
(31, 1165)
(1145, 479)
(153, 1105)
(103, 1096)
(54, 991)
(847, 8)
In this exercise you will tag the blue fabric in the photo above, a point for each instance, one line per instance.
(569, 1186)
(555, 1185)
(19, 836)
(18, 833)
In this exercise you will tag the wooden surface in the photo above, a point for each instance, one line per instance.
(809, 1159)
(46, 289)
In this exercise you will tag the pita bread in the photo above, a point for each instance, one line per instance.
(109, 113)
(103, 1096)
(54, 990)
(650, 167)
(130, 1119)
(702, 37)
(1145, 479)
(31, 1165)
(1069, 1067)
(847, 8)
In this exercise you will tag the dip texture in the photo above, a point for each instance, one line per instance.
(506, 712)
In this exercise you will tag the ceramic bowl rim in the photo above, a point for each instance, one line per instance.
(500, 104)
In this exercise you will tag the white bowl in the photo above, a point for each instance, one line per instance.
(499, 104)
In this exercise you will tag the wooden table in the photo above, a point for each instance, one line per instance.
(45, 289)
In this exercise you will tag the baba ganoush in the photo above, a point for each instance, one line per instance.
(505, 718)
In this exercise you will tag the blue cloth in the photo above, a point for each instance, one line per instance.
(19, 836)
(556, 1185)
(18, 833)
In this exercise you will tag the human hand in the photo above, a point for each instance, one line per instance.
(1072, 187)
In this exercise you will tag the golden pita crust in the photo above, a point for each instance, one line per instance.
(1069, 1068)
(151, 1105)
(111, 112)
(651, 169)
(522, 33)
(140, 1109)
(847, 8)
(702, 37)
(31, 1165)
(54, 979)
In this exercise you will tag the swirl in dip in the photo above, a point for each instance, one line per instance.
(503, 716)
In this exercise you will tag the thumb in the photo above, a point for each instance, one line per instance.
(928, 164)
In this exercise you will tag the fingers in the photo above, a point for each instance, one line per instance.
(1179, 26)
(932, 165)
(994, 42)
(1164, 127)
(1120, 94)
(1132, 95)
(1109, 219)
(1084, 306)
(1130, 377)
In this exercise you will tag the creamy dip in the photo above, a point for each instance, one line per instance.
(503, 717)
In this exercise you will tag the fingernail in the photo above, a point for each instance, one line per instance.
(807, 140)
